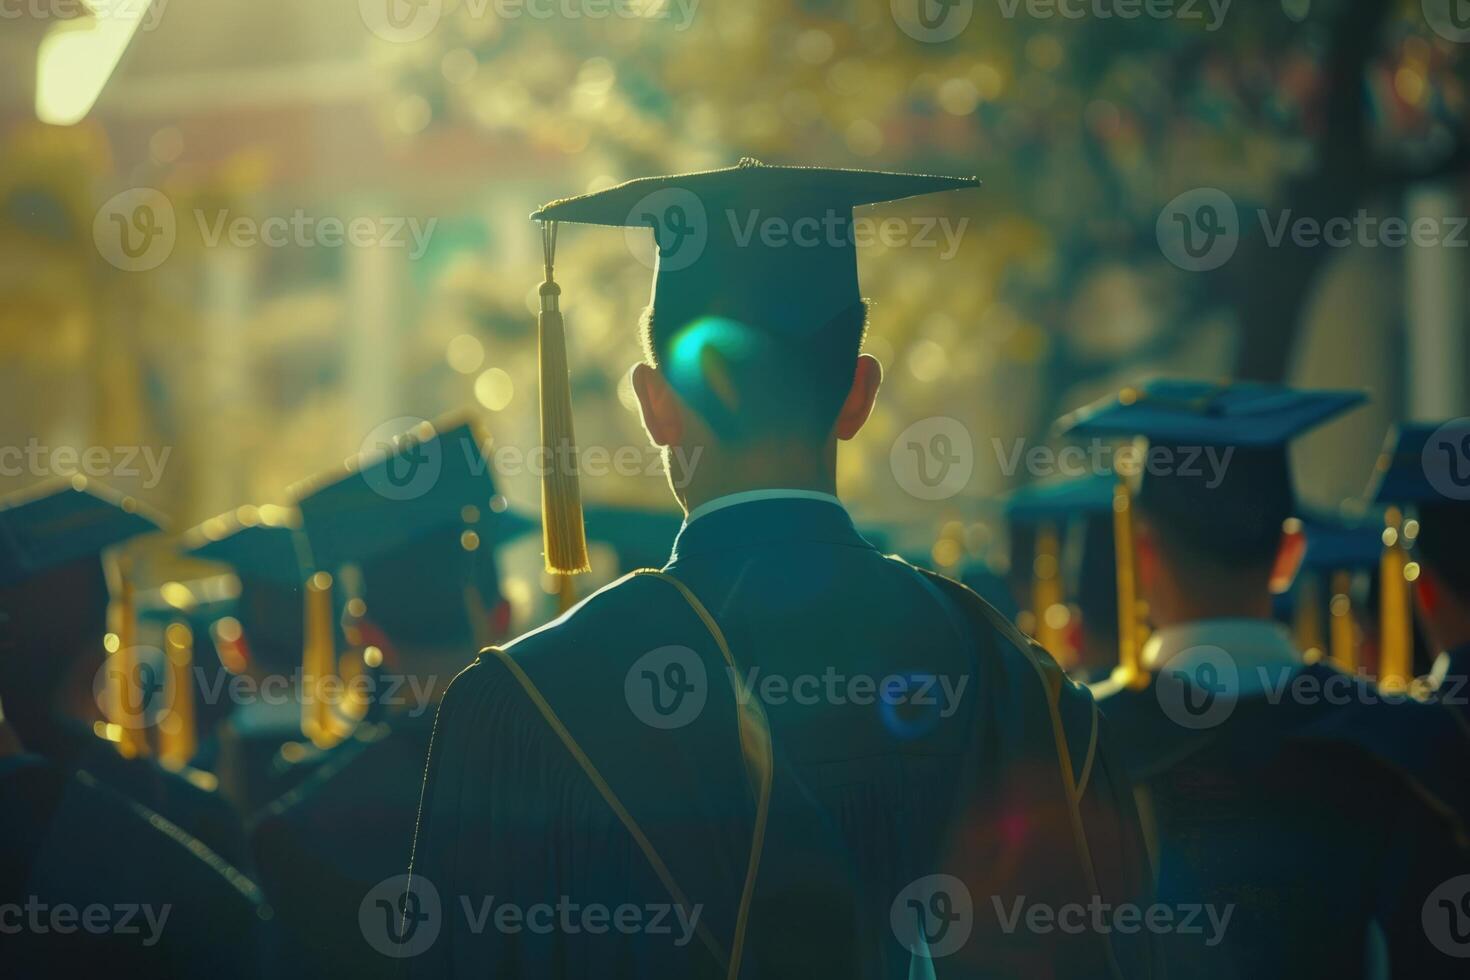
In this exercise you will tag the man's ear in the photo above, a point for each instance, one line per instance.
(1288, 557)
(663, 418)
(867, 376)
(1427, 590)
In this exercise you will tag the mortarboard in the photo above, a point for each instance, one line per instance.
(1216, 469)
(1057, 500)
(753, 256)
(1186, 475)
(1042, 517)
(417, 521)
(55, 524)
(1336, 543)
(1423, 463)
(431, 478)
(1424, 470)
(263, 543)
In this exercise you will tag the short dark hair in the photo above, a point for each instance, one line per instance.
(1444, 543)
(780, 386)
(1232, 525)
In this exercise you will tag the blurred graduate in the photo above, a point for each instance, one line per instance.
(629, 758)
(1255, 769)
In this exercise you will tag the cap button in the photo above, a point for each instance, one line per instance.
(750, 162)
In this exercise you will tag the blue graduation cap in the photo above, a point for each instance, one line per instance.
(1216, 467)
(262, 543)
(1424, 463)
(1242, 413)
(1056, 500)
(1336, 543)
(55, 524)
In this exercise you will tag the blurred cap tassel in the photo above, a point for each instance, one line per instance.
(563, 536)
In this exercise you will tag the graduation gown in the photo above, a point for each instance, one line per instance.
(1312, 820)
(166, 905)
(201, 812)
(627, 792)
(324, 845)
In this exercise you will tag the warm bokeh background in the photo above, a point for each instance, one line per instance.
(256, 366)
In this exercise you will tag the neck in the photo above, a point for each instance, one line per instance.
(1173, 606)
(773, 468)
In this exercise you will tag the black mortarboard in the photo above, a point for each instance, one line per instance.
(750, 257)
(1230, 506)
(263, 543)
(420, 519)
(434, 477)
(56, 524)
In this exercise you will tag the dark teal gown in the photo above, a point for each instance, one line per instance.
(68, 840)
(566, 768)
(1323, 826)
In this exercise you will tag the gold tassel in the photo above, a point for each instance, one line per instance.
(318, 662)
(178, 734)
(1395, 618)
(1340, 624)
(1046, 593)
(563, 535)
(1132, 631)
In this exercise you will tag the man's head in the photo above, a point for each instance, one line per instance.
(759, 407)
(1216, 545)
(51, 631)
(756, 320)
(1443, 587)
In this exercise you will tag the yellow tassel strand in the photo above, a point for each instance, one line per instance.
(563, 535)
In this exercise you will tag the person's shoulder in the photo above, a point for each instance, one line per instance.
(577, 648)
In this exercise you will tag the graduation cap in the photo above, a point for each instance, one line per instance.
(433, 477)
(1048, 520)
(261, 543)
(412, 520)
(1424, 463)
(752, 259)
(1211, 468)
(56, 524)
(1057, 500)
(1216, 467)
(1422, 480)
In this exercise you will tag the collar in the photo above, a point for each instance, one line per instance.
(1260, 649)
(750, 496)
(766, 517)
